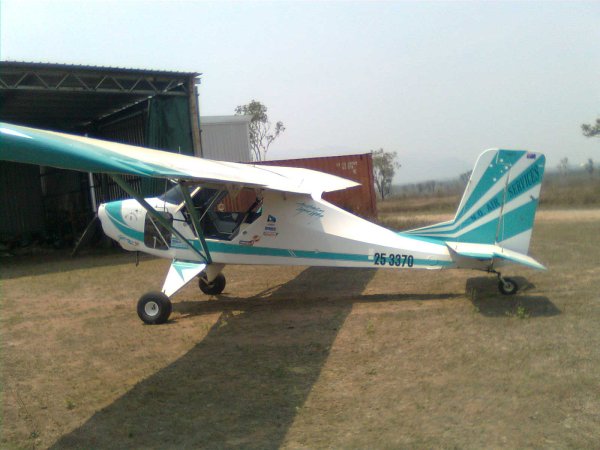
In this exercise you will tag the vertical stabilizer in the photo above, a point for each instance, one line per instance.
(499, 203)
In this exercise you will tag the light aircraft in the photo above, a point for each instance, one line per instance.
(284, 220)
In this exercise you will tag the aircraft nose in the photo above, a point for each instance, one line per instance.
(102, 215)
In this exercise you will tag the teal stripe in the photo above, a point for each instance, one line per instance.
(267, 251)
(221, 247)
(518, 220)
(530, 178)
(485, 234)
(491, 176)
(514, 222)
(113, 211)
(180, 266)
(429, 240)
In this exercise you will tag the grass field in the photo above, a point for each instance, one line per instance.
(306, 357)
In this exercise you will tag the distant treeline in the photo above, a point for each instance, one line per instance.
(568, 188)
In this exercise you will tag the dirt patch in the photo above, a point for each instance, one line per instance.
(406, 221)
(568, 215)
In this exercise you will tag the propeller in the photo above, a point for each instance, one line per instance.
(88, 235)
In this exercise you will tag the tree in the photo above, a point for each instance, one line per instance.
(384, 168)
(465, 177)
(563, 165)
(261, 134)
(591, 130)
(589, 167)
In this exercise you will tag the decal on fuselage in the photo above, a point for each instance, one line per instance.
(311, 210)
(250, 242)
(128, 240)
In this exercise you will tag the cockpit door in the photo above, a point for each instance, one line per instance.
(157, 236)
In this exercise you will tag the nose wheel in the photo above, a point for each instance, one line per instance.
(154, 308)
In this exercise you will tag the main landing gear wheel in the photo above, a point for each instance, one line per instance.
(154, 308)
(215, 287)
(508, 286)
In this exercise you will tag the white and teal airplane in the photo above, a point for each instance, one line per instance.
(284, 220)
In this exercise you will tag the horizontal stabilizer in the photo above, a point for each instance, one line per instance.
(491, 252)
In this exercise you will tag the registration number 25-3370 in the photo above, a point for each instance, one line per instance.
(393, 259)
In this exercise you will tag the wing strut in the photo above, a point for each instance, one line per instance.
(156, 216)
(195, 219)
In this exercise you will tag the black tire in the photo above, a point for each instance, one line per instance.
(508, 286)
(154, 308)
(215, 287)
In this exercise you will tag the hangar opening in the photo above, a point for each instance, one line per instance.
(157, 109)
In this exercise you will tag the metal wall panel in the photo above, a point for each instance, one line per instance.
(22, 211)
(359, 200)
(225, 138)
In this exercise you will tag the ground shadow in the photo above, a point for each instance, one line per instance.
(52, 261)
(483, 293)
(315, 286)
(243, 384)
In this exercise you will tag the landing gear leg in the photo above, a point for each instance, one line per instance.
(507, 286)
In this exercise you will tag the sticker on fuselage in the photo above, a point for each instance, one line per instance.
(270, 228)
(311, 210)
(177, 243)
(250, 242)
(128, 241)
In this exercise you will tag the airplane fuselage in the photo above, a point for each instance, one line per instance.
(292, 229)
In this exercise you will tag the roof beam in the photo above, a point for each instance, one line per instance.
(73, 81)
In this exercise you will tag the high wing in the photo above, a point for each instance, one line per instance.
(66, 151)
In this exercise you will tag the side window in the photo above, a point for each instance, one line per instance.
(155, 235)
(224, 219)
(243, 203)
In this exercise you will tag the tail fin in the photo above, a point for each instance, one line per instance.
(499, 203)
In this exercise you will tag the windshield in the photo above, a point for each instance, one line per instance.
(173, 195)
(201, 199)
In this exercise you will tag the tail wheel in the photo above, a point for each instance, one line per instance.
(215, 287)
(508, 286)
(154, 308)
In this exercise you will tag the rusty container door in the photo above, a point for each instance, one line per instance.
(359, 200)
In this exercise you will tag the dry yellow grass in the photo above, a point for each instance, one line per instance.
(305, 357)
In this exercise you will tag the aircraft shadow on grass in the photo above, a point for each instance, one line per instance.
(483, 293)
(242, 384)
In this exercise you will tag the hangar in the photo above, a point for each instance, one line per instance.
(149, 108)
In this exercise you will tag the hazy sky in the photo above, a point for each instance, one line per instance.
(437, 82)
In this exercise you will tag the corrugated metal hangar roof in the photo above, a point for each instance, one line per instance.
(69, 97)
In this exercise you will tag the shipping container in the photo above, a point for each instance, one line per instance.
(225, 138)
(359, 200)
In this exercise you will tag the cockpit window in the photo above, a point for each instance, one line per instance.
(221, 213)
(173, 195)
